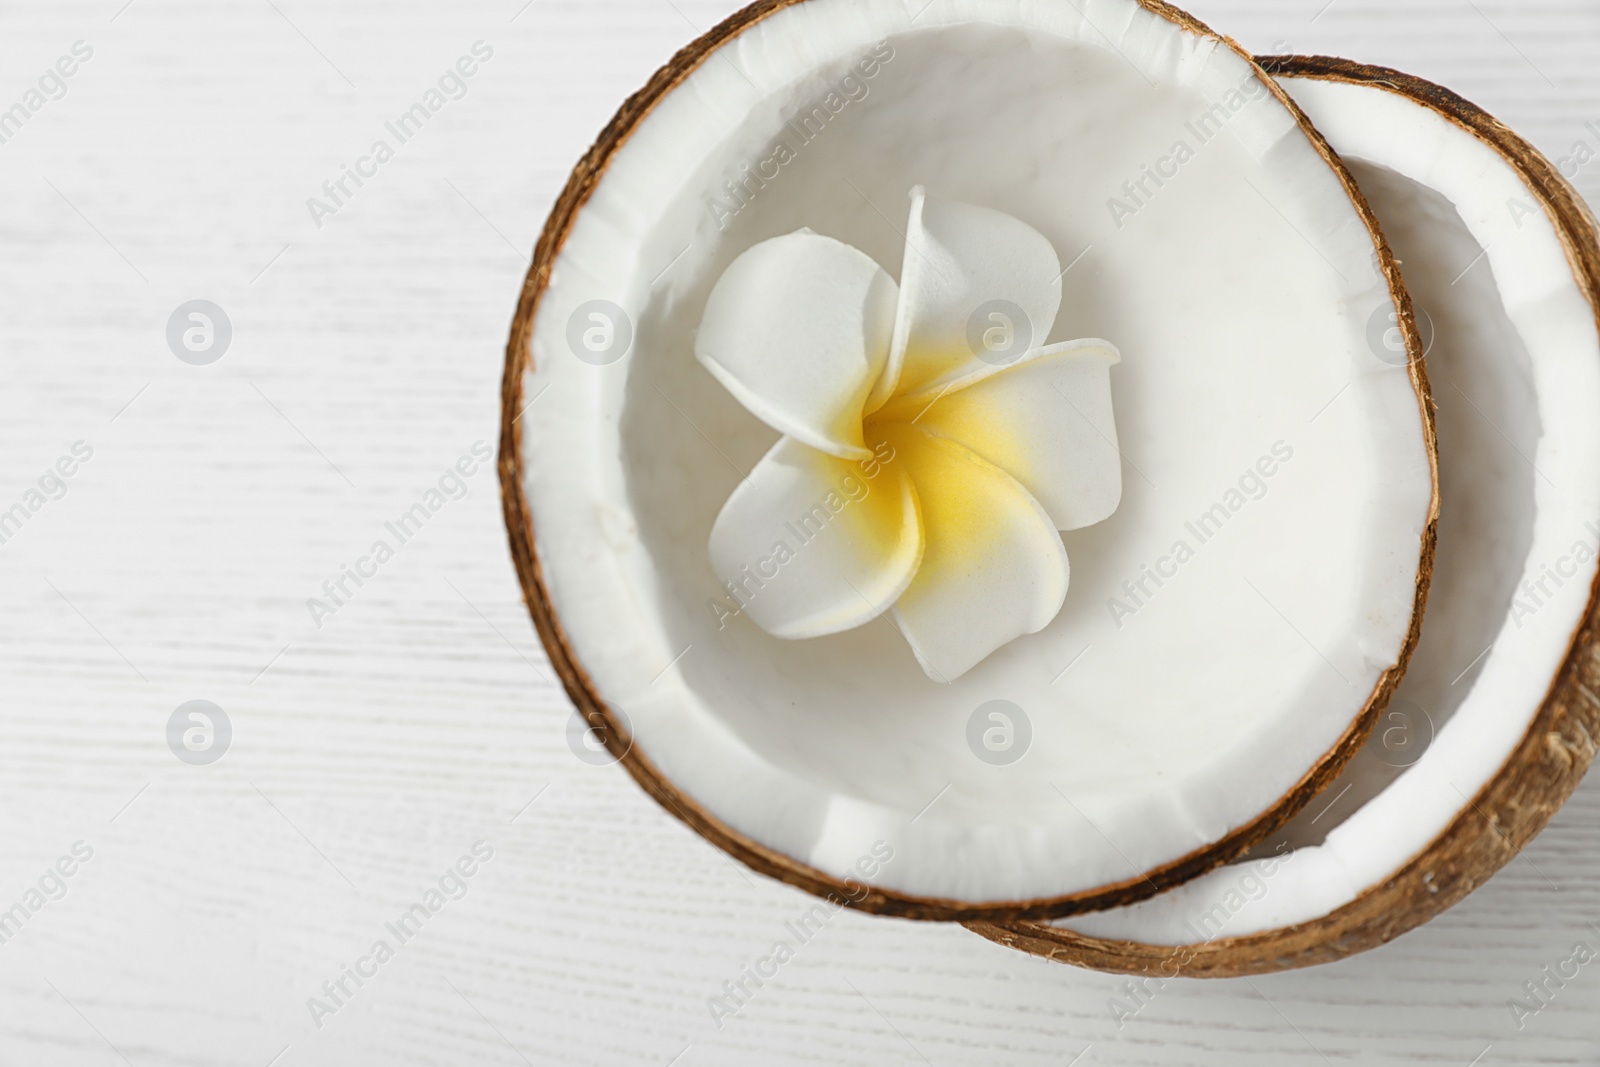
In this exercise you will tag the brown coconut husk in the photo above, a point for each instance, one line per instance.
(585, 695)
(1540, 773)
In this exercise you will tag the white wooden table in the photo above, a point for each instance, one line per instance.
(371, 753)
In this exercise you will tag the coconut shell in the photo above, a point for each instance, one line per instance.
(585, 695)
(1535, 780)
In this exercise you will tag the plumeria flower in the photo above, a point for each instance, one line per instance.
(930, 451)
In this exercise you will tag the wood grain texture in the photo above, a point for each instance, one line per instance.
(371, 753)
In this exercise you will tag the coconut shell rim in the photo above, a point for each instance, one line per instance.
(1542, 770)
(585, 696)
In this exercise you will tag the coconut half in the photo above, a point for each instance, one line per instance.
(1230, 632)
(1494, 725)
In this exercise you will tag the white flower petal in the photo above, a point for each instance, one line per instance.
(993, 567)
(812, 544)
(798, 329)
(977, 287)
(1047, 421)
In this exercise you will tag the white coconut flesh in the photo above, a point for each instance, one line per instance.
(1515, 369)
(1257, 428)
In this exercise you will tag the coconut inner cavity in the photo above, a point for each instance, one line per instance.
(1221, 630)
(1489, 427)
(1515, 368)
